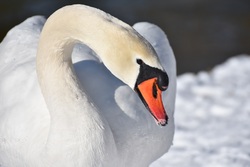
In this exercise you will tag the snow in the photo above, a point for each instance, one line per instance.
(212, 118)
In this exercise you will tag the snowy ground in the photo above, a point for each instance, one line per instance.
(212, 118)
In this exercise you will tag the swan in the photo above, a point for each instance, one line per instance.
(100, 109)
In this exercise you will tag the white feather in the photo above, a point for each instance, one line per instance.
(120, 133)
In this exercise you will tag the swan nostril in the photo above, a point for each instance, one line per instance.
(154, 91)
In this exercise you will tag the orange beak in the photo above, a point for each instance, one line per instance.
(151, 96)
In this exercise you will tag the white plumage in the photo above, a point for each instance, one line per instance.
(115, 130)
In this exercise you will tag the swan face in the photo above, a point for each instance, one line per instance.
(149, 86)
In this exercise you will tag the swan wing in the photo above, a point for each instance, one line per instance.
(21, 102)
(18, 86)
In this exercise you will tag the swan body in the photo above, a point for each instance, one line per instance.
(51, 113)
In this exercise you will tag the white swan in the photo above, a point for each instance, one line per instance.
(88, 118)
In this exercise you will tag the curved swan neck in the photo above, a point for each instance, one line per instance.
(72, 115)
(74, 121)
(115, 42)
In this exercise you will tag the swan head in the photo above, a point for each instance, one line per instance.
(149, 85)
(127, 55)
(135, 62)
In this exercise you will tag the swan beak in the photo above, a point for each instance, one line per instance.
(151, 96)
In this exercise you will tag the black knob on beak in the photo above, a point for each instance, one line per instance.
(162, 81)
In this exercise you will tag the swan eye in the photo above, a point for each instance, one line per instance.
(139, 61)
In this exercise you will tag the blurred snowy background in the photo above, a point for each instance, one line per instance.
(212, 107)
(212, 118)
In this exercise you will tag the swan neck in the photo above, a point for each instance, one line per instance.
(74, 119)
(117, 44)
